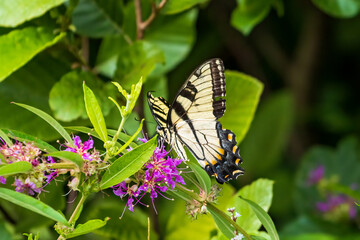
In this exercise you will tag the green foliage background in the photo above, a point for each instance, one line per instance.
(306, 55)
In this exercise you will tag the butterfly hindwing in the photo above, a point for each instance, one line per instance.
(192, 120)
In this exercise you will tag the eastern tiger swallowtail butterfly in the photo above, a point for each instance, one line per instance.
(191, 121)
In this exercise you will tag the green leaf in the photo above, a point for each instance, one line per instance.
(225, 227)
(19, 46)
(94, 112)
(87, 227)
(249, 13)
(70, 156)
(49, 120)
(259, 191)
(128, 164)
(264, 218)
(243, 94)
(175, 36)
(4, 137)
(339, 8)
(15, 168)
(32, 204)
(14, 12)
(136, 61)
(66, 96)
(270, 132)
(31, 85)
(98, 18)
(23, 137)
(201, 175)
(109, 51)
(176, 6)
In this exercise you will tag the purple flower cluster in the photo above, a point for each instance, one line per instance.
(157, 176)
(32, 182)
(316, 175)
(333, 201)
(92, 160)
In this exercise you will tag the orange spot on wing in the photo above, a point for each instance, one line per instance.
(234, 149)
(213, 162)
(226, 176)
(237, 161)
(221, 151)
(230, 137)
(236, 171)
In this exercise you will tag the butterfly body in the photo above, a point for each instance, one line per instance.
(191, 121)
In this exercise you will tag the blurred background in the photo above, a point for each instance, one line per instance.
(305, 132)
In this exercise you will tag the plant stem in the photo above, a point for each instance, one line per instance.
(229, 220)
(78, 208)
(76, 213)
(119, 129)
(62, 166)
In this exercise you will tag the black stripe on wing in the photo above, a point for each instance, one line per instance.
(192, 93)
(218, 82)
(159, 108)
(227, 165)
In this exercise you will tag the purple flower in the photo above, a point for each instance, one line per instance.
(144, 140)
(334, 201)
(2, 180)
(81, 148)
(50, 159)
(157, 176)
(122, 189)
(28, 186)
(316, 175)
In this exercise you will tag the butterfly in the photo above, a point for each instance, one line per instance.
(191, 121)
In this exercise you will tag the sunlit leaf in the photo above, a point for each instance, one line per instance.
(5, 138)
(21, 45)
(225, 227)
(94, 113)
(87, 227)
(259, 191)
(242, 96)
(264, 218)
(14, 12)
(32, 204)
(128, 164)
(201, 176)
(176, 6)
(339, 8)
